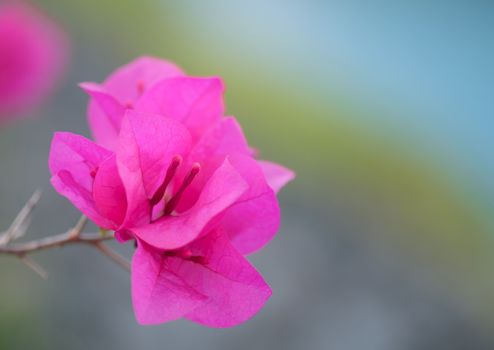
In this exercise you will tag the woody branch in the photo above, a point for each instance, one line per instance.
(73, 236)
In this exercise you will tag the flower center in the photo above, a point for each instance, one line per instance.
(186, 254)
(173, 202)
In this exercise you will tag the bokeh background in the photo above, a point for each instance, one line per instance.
(385, 111)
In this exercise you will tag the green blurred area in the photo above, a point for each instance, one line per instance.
(409, 204)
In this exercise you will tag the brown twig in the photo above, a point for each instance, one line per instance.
(113, 255)
(21, 222)
(59, 240)
(72, 236)
(33, 265)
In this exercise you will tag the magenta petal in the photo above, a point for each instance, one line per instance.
(236, 291)
(105, 114)
(254, 220)
(102, 128)
(76, 153)
(120, 91)
(254, 223)
(159, 294)
(129, 82)
(108, 192)
(197, 102)
(65, 184)
(224, 187)
(225, 137)
(108, 104)
(73, 160)
(222, 139)
(147, 144)
(154, 140)
(277, 176)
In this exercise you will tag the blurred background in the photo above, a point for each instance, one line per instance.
(383, 108)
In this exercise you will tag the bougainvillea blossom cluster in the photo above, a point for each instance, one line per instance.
(169, 171)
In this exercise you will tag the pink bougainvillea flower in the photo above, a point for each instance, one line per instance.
(33, 53)
(169, 171)
(153, 86)
(194, 208)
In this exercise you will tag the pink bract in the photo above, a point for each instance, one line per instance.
(120, 91)
(209, 282)
(33, 54)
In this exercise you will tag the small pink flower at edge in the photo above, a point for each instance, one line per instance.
(33, 54)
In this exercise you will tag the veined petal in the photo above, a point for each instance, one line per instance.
(147, 144)
(225, 137)
(277, 175)
(105, 114)
(158, 293)
(75, 153)
(223, 189)
(119, 91)
(196, 102)
(235, 290)
(255, 218)
(222, 139)
(73, 161)
(112, 108)
(65, 184)
(102, 128)
(128, 82)
(109, 193)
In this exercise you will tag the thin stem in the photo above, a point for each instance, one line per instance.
(79, 227)
(59, 240)
(113, 255)
(72, 236)
(33, 265)
(21, 221)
